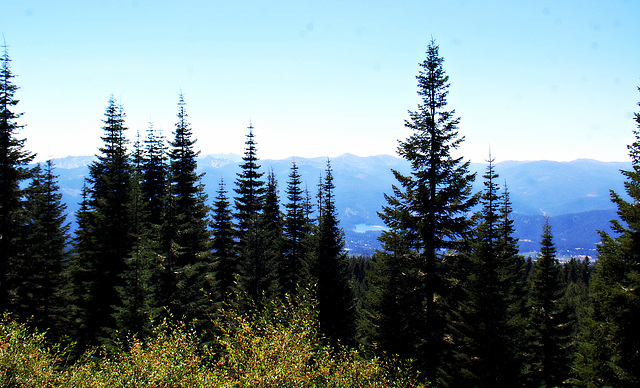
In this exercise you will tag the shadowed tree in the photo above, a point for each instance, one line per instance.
(485, 321)
(550, 348)
(296, 230)
(328, 269)
(189, 263)
(104, 236)
(255, 275)
(224, 252)
(37, 274)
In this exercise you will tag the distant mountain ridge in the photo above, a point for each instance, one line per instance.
(575, 195)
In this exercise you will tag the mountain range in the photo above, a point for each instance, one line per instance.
(574, 195)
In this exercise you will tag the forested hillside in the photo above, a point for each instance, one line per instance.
(190, 271)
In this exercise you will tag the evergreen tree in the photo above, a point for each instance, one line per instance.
(224, 253)
(154, 177)
(386, 321)
(188, 238)
(37, 274)
(296, 230)
(255, 275)
(139, 297)
(81, 272)
(188, 235)
(14, 171)
(429, 209)
(486, 354)
(104, 235)
(611, 353)
(550, 350)
(329, 269)
(273, 236)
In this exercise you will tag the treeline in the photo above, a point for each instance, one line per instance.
(449, 291)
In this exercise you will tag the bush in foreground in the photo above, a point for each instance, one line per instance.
(277, 347)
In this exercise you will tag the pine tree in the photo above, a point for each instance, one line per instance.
(104, 235)
(37, 274)
(255, 276)
(611, 353)
(550, 350)
(429, 209)
(188, 238)
(329, 269)
(14, 171)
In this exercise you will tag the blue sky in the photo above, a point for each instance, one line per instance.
(531, 79)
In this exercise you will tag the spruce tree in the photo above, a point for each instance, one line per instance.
(611, 352)
(37, 274)
(329, 269)
(189, 248)
(14, 172)
(430, 209)
(550, 325)
(104, 236)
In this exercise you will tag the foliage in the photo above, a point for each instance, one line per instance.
(279, 346)
(25, 360)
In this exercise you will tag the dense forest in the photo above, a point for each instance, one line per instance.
(160, 285)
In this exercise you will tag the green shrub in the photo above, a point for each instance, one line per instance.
(25, 360)
(281, 347)
(277, 347)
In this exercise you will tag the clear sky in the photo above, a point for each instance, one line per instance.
(531, 79)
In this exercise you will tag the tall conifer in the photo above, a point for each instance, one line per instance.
(254, 273)
(273, 236)
(329, 268)
(14, 170)
(224, 245)
(139, 293)
(37, 274)
(430, 209)
(296, 230)
(550, 349)
(483, 323)
(189, 248)
(104, 235)
(611, 351)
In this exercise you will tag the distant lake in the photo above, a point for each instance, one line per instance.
(361, 228)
